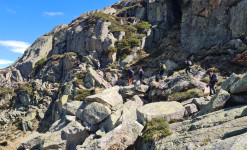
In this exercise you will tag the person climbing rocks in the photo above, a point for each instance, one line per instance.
(130, 75)
(188, 63)
(162, 69)
(212, 80)
(141, 73)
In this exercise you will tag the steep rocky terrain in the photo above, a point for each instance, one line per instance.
(53, 97)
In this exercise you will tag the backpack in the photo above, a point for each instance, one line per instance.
(163, 67)
(189, 63)
(215, 78)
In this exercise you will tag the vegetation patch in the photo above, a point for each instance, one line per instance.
(155, 129)
(38, 65)
(180, 96)
(111, 49)
(79, 78)
(143, 25)
(127, 43)
(4, 91)
(83, 93)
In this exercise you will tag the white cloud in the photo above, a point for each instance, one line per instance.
(15, 46)
(53, 13)
(5, 62)
(11, 11)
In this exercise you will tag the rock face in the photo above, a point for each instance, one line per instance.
(236, 142)
(216, 103)
(202, 130)
(168, 110)
(202, 18)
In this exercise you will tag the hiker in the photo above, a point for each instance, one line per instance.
(212, 80)
(97, 65)
(130, 75)
(162, 69)
(188, 63)
(141, 73)
(28, 77)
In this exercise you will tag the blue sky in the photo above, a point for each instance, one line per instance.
(23, 21)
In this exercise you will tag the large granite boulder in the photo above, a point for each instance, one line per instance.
(216, 103)
(121, 137)
(109, 97)
(93, 79)
(33, 141)
(93, 113)
(169, 110)
(228, 83)
(240, 85)
(72, 107)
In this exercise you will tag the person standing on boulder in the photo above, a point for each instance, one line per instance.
(97, 65)
(141, 73)
(188, 63)
(212, 81)
(130, 75)
(162, 69)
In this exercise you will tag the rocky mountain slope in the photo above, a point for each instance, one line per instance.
(55, 92)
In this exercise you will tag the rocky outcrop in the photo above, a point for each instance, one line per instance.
(201, 19)
(121, 137)
(240, 85)
(169, 110)
(204, 129)
(216, 103)
(109, 97)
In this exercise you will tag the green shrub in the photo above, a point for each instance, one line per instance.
(4, 91)
(143, 25)
(179, 96)
(111, 49)
(123, 57)
(138, 36)
(134, 42)
(83, 93)
(38, 65)
(155, 129)
(127, 43)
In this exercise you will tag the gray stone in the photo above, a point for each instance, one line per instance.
(169, 110)
(228, 83)
(216, 103)
(200, 102)
(240, 85)
(234, 143)
(171, 66)
(94, 113)
(142, 88)
(32, 141)
(191, 109)
(109, 97)
(120, 138)
(72, 107)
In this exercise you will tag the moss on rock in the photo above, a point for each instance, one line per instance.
(155, 129)
(179, 96)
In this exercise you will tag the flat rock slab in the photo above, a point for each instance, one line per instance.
(110, 98)
(168, 110)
